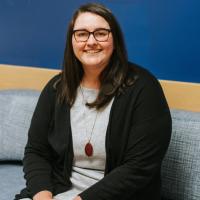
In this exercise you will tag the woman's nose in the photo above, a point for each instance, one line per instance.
(91, 39)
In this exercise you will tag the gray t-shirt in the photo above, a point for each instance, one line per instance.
(87, 170)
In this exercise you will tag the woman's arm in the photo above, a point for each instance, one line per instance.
(37, 157)
(43, 195)
(147, 143)
(77, 198)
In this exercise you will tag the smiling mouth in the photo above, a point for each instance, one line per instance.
(92, 51)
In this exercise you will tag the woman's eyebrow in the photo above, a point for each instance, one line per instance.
(96, 29)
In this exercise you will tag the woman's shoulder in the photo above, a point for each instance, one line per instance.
(145, 82)
(53, 82)
(141, 73)
(142, 76)
(147, 88)
(50, 89)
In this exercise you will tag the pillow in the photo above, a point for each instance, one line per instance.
(16, 110)
(181, 165)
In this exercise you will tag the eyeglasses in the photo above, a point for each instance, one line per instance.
(100, 35)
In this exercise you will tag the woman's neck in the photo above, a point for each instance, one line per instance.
(91, 76)
(90, 81)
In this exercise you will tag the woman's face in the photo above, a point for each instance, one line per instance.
(92, 54)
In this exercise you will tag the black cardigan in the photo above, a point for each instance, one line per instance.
(137, 138)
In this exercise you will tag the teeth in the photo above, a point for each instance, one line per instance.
(92, 51)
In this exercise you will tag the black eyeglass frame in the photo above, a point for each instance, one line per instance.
(93, 33)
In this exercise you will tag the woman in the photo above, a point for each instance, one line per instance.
(101, 128)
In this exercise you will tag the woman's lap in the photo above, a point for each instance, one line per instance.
(69, 195)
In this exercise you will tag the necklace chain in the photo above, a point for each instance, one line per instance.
(84, 101)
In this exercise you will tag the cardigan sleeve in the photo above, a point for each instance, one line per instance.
(148, 139)
(36, 162)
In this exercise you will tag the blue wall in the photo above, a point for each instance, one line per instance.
(161, 35)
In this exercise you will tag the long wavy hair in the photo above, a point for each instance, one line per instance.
(113, 79)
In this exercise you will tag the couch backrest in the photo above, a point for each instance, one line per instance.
(181, 165)
(180, 95)
(16, 110)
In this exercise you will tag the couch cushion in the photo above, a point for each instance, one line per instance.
(181, 166)
(16, 109)
(12, 180)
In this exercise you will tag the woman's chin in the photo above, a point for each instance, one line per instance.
(93, 64)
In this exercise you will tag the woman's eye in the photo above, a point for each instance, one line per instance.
(101, 33)
(82, 34)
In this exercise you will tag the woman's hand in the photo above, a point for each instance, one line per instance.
(77, 198)
(43, 195)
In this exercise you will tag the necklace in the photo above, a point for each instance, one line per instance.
(88, 146)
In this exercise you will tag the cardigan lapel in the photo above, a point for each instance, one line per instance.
(60, 135)
(117, 131)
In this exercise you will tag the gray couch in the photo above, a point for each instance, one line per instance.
(180, 169)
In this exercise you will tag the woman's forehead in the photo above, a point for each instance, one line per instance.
(90, 21)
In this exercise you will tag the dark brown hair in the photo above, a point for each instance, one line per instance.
(112, 78)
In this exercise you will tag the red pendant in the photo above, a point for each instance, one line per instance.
(88, 149)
